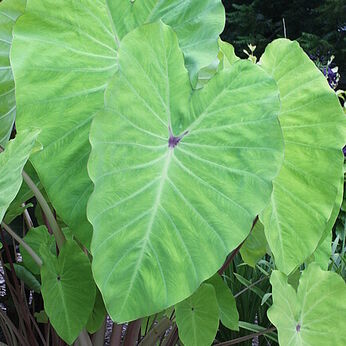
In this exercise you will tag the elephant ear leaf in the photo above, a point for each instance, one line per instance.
(305, 317)
(314, 130)
(64, 85)
(198, 317)
(197, 24)
(10, 10)
(175, 171)
(12, 162)
(68, 289)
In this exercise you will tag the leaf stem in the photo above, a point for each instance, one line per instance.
(59, 236)
(31, 252)
(156, 332)
(245, 338)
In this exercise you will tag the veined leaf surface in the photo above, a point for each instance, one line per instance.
(167, 209)
(314, 129)
(68, 289)
(63, 56)
(198, 317)
(10, 10)
(315, 314)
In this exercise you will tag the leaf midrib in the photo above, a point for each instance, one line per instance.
(163, 179)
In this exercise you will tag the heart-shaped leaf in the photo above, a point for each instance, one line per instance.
(314, 129)
(306, 317)
(198, 317)
(63, 85)
(173, 170)
(68, 289)
(12, 161)
(10, 10)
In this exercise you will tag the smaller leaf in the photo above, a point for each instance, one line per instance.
(255, 245)
(98, 314)
(305, 317)
(323, 252)
(227, 306)
(23, 274)
(35, 238)
(197, 317)
(68, 290)
(41, 317)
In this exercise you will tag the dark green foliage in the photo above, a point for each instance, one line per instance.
(319, 26)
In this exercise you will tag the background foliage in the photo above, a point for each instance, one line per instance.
(318, 25)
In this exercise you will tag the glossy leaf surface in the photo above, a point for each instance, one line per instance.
(315, 314)
(156, 197)
(63, 85)
(10, 10)
(12, 161)
(197, 317)
(313, 126)
(68, 290)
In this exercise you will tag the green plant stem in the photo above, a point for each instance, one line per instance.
(245, 338)
(250, 286)
(30, 251)
(155, 333)
(59, 236)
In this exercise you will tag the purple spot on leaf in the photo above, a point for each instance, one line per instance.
(173, 141)
(298, 328)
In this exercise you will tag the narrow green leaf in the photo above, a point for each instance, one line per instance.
(197, 317)
(156, 197)
(12, 161)
(315, 314)
(227, 306)
(314, 129)
(68, 290)
(10, 10)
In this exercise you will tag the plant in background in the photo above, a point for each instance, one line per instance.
(161, 167)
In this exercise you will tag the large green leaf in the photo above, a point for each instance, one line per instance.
(165, 218)
(197, 25)
(12, 161)
(315, 314)
(197, 317)
(10, 10)
(313, 126)
(64, 53)
(68, 289)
